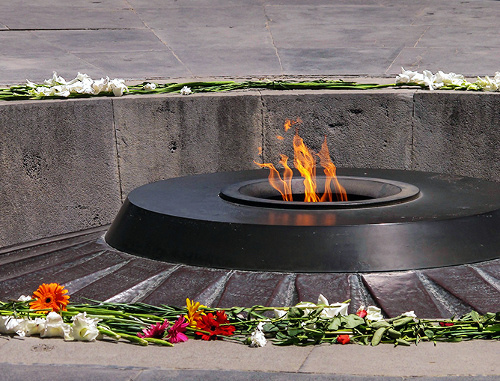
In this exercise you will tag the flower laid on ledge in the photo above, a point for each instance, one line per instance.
(447, 81)
(303, 324)
(81, 85)
(50, 297)
(84, 86)
(185, 90)
(156, 330)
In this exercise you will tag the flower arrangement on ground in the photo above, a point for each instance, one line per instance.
(48, 313)
(84, 86)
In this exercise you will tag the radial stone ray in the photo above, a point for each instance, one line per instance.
(389, 290)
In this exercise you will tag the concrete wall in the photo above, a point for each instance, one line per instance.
(67, 165)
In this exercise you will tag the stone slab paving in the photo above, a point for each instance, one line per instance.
(155, 39)
(91, 269)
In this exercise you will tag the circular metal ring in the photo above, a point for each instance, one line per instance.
(367, 192)
(454, 220)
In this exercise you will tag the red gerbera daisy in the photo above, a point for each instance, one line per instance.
(212, 326)
(50, 296)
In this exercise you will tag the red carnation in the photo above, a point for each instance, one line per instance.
(214, 326)
(445, 324)
(361, 313)
(343, 339)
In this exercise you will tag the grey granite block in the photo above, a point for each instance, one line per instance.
(457, 133)
(57, 168)
(363, 129)
(160, 137)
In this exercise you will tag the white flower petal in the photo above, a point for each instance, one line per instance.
(373, 313)
(186, 91)
(279, 313)
(54, 326)
(258, 339)
(9, 324)
(335, 309)
(30, 327)
(332, 310)
(84, 328)
(307, 311)
(322, 300)
(411, 314)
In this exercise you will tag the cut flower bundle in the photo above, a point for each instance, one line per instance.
(49, 313)
(84, 86)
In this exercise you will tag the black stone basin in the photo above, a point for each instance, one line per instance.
(399, 220)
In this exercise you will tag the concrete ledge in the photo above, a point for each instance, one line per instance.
(65, 165)
(104, 360)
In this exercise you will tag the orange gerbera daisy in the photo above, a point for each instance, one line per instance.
(50, 296)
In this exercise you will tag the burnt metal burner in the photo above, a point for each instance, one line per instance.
(394, 220)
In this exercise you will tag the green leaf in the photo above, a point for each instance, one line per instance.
(352, 321)
(429, 333)
(295, 331)
(393, 333)
(316, 312)
(295, 312)
(380, 324)
(270, 328)
(334, 324)
(402, 322)
(403, 342)
(475, 316)
(282, 336)
(377, 336)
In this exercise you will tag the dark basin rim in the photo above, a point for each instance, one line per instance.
(399, 192)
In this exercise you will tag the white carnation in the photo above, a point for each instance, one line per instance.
(149, 86)
(186, 91)
(257, 338)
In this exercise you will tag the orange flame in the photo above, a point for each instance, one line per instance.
(305, 162)
(289, 123)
